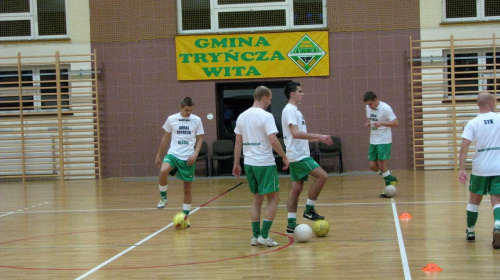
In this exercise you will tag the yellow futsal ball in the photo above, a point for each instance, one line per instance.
(180, 221)
(321, 228)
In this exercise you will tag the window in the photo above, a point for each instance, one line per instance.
(471, 10)
(492, 63)
(32, 19)
(474, 72)
(218, 16)
(38, 88)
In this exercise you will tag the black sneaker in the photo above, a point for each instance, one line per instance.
(382, 195)
(470, 235)
(290, 230)
(313, 216)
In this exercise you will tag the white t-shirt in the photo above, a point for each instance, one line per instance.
(184, 132)
(383, 113)
(485, 131)
(296, 149)
(254, 125)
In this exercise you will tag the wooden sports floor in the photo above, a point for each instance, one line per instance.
(111, 229)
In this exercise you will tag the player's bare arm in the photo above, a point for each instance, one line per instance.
(313, 137)
(163, 149)
(367, 123)
(275, 143)
(192, 159)
(393, 123)
(237, 153)
(464, 149)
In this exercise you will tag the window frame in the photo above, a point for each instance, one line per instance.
(483, 77)
(35, 88)
(480, 12)
(215, 9)
(32, 17)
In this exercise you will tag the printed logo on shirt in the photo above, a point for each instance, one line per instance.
(251, 144)
(183, 129)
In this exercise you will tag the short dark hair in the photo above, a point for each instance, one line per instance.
(290, 87)
(187, 102)
(369, 96)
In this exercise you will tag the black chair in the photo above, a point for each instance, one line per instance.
(222, 150)
(203, 155)
(335, 150)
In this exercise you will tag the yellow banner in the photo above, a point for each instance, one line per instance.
(249, 56)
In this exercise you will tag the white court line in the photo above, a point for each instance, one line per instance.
(6, 214)
(128, 249)
(402, 250)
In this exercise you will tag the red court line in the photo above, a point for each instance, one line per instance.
(290, 242)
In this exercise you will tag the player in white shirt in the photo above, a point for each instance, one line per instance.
(380, 119)
(296, 140)
(184, 133)
(484, 130)
(256, 134)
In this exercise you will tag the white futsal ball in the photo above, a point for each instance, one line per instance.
(302, 233)
(390, 191)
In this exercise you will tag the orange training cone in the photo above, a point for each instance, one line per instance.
(405, 216)
(432, 267)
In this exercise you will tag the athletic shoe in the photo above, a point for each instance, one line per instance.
(290, 230)
(313, 215)
(254, 241)
(496, 238)
(173, 171)
(383, 195)
(267, 241)
(393, 180)
(470, 235)
(162, 203)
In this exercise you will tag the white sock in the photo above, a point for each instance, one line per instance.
(186, 207)
(310, 202)
(386, 173)
(163, 188)
(496, 224)
(472, 207)
(292, 215)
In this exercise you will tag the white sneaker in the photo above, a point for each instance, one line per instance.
(162, 203)
(268, 241)
(254, 241)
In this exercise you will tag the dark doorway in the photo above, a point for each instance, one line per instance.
(234, 98)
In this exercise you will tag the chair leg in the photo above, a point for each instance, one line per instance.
(341, 164)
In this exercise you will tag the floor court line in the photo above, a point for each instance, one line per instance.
(10, 213)
(149, 237)
(402, 250)
(128, 249)
(224, 207)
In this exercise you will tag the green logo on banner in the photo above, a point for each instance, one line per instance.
(306, 54)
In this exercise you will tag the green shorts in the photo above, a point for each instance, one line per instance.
(379, 152)
(483, 185)
(262, 179)
(184, 171)
(300, 170)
